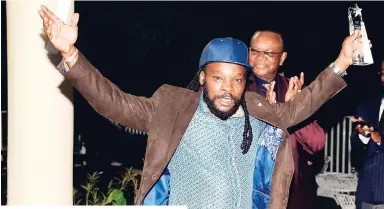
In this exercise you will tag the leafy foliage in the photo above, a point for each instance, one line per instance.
(116, 189)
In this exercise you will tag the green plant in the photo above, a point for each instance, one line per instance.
(115, 189)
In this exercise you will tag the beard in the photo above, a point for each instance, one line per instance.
(214, 110)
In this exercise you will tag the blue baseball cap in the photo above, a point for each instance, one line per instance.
(228, 50)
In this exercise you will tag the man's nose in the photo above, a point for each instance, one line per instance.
(227, 86)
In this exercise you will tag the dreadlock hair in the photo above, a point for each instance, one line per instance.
(247, 134)
(195, 85)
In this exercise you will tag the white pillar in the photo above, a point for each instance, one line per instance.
(40, 110)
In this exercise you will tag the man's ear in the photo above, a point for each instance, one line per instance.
(282, 58)
(202, 77)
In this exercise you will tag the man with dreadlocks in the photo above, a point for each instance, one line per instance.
(197, 138)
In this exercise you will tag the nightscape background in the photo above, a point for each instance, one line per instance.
(141, 45)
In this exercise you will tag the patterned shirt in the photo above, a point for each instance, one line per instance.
(208, 169)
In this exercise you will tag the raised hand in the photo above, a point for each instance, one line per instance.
(345, 57)
(270, 95)
(62, 36)
(294, 87)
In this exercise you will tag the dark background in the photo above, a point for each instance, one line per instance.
(142, 45)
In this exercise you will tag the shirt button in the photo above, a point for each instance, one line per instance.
(64, 70)
(154, 177)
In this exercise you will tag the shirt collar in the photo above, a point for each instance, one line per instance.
(260, 82)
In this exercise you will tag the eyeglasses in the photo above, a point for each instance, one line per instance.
(268, 54)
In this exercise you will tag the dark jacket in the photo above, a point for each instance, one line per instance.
(368, 159)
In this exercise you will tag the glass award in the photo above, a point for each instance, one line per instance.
(362, 54)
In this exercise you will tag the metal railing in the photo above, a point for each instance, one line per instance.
(338, 147)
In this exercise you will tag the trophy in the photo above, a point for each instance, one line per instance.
(361, 53)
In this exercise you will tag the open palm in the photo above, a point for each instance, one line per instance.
(62, 36)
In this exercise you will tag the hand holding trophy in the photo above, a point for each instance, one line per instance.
(362, 53)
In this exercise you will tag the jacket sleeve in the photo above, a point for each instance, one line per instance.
(310, 99)
(107, 99)
(311, 137)
(358, 151)
(358, 148)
